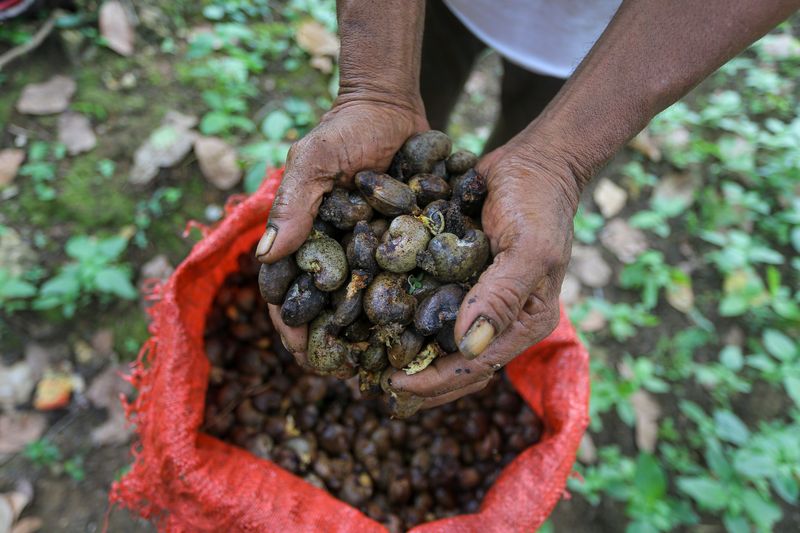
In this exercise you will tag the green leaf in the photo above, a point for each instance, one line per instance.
(731, 357)
(753, 464)
(16, 288)
(214, 122)
(730, 427)
(112, 247)
(792, 386)
(763, 512)
(649, 481)
(115, 280)
(214, 12)
(708, 493)
(795, 237)
(640, 527)
(255, 176)
(81, 247)
(786, 486)
(779, 345)
(65, 283)
(736, 523)
(276, 125)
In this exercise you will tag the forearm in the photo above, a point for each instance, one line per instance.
(381, 48)
(651, 54)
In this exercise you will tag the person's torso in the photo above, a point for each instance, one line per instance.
(546, 36)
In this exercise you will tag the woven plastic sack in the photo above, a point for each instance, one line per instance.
(188, 481)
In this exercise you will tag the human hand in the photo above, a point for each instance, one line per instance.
(527, 216)
(358, 133)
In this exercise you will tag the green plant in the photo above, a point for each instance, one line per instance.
(14, 291)
(42, 453)
(41, 168)
(650, 273)
(95, 270)
(163, 199)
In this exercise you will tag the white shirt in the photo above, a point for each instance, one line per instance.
(549, 37)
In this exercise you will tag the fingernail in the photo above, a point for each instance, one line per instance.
(265, 244)
(477, 338)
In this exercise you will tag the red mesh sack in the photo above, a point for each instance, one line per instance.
(188, 481)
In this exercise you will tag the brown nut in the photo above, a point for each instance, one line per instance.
(274, 280)
(404, 239)
(442, 216)
(386, 300)
(344, 208)
(361, 249)
(423, 150)
(438, 308)
(386, 194)
(422, 285)
(469, 191)
(429, 188)
(348, 300)
(327, 354)
(449, 258)
(323, 257)
(303, 302)
(402, 352)
(460, 162)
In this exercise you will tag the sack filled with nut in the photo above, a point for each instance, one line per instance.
(232, 435)
(382, 275)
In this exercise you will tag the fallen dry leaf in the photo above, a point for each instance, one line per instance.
(646, 145)
(587, 452)
(10, 161)
(18, 429)
(13, 502)
(16, 384)
(781, 46)
(609, 197)
(29, 524)
(589, 266)
(316, 39)
(647, 412)
(158, 267)
(46, 98)
(16, 255)
(676, 187)
(218, 162)
(165, 147)
(104, 393)
(54, 390)
(103, 342)
(680, 296)
(594, 320)
(116, 28)
(623, 240)
(75, 132)
(570, 290)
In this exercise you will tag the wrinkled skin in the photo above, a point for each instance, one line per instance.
(527, 216)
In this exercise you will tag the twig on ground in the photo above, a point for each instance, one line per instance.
(37, 39)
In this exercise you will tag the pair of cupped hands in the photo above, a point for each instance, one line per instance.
(527, 216)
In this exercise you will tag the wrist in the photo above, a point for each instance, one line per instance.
(372, 90)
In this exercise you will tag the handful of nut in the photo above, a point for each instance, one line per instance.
(383, 273)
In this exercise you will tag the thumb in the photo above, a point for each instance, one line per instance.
(494, 303)
(292, 215)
